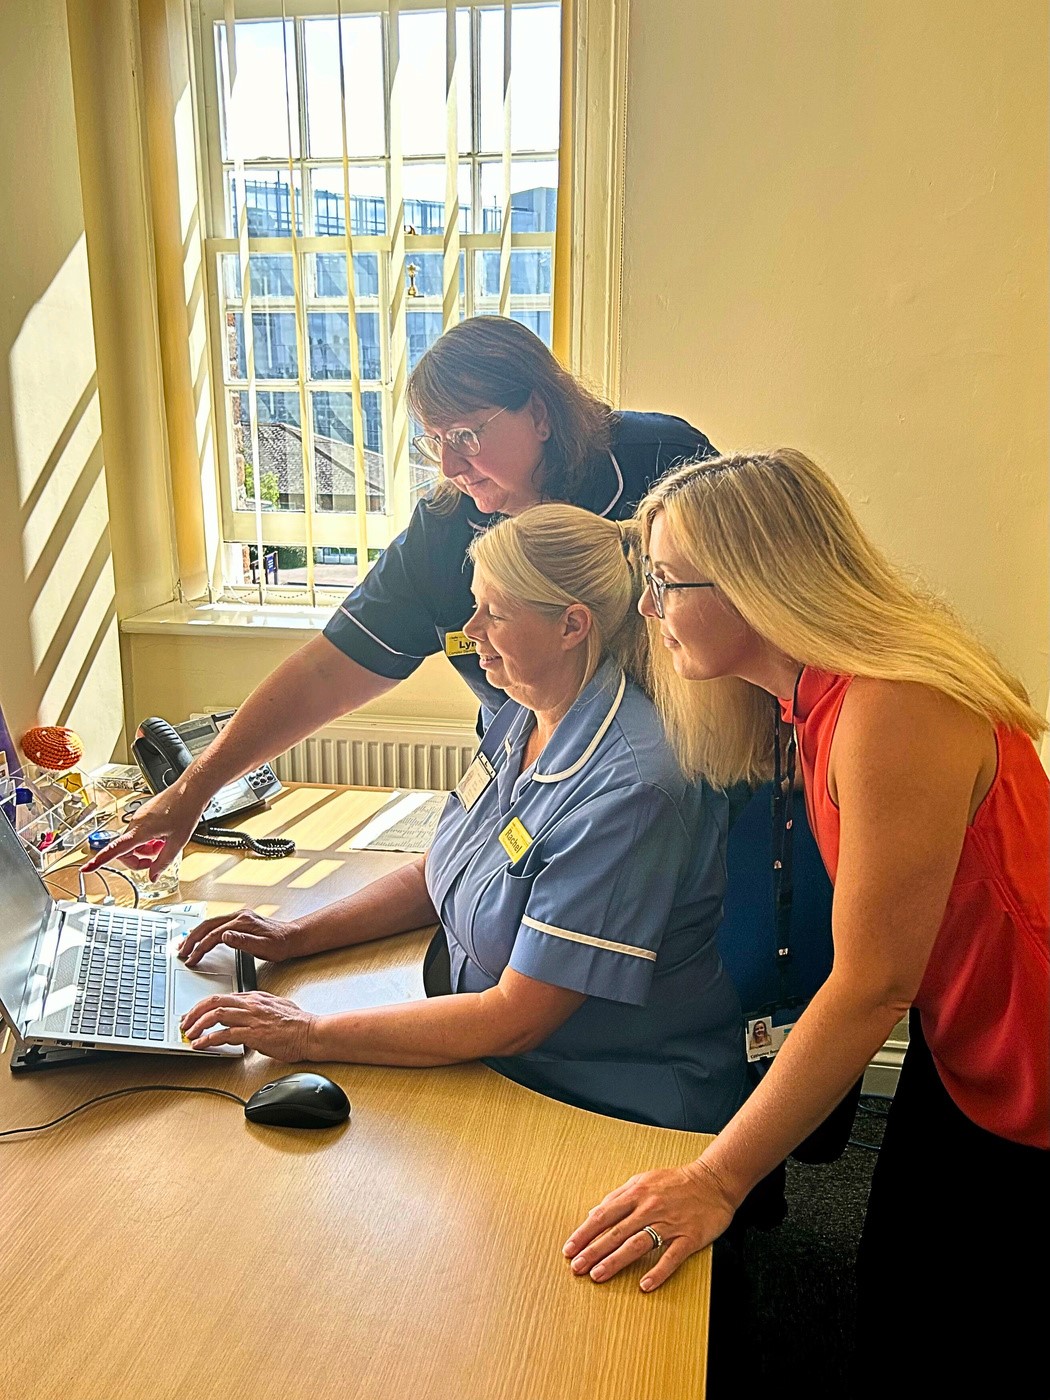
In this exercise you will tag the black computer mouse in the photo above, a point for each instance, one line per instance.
(299, 1101)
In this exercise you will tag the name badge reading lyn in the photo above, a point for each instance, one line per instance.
(474, 781)
(514, 839)
(459, 644)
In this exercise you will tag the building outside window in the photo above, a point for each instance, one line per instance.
(272, 131)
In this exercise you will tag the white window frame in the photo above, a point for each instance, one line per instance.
(329, 529)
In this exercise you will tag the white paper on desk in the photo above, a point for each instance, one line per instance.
(406, 823)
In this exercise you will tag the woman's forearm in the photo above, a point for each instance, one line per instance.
(825, 1053)
(395, 903)
(442, 1031)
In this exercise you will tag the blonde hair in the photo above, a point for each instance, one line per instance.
(552, 556)
(782, 544)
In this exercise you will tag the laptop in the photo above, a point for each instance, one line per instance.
(99, 977)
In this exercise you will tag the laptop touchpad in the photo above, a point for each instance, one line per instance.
(192, 987)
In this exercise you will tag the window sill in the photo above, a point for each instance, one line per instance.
(226, 620)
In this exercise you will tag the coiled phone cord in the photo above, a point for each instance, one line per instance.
(269, 847)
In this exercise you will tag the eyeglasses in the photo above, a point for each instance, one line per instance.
(461, 440)
(659, 586)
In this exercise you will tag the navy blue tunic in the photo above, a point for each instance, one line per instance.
(418, 592)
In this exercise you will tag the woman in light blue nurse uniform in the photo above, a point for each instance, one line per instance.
(576, 875)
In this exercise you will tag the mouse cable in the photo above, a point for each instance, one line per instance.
(117, 1093)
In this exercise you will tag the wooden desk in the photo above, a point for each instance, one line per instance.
(161, 1246)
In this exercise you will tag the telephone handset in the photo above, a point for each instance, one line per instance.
(163, 751)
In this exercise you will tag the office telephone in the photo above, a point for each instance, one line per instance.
(164, 750)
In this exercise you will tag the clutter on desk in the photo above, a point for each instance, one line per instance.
(48, 800)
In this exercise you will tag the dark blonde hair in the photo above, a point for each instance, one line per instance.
(781, 542)
(552, 556)
(495, 362)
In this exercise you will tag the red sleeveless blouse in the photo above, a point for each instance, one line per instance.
(984, 999)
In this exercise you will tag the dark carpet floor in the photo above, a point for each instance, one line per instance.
(795, 1332)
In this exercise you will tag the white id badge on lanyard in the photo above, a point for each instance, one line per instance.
(474, 781)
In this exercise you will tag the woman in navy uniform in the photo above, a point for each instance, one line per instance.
(509, 428)
(576, 874)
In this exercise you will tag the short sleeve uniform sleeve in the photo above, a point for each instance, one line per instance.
(385, 624)
(601, 900)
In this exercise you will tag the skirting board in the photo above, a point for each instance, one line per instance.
(881, 1075)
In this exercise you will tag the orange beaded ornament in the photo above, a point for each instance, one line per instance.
(52, 747)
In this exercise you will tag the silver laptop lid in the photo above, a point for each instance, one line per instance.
(25, 907)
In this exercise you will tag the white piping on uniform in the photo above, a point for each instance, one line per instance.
(599, 736)
(606, 944)
(378, 640)
(619, 478)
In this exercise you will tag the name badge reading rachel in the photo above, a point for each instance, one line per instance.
(474, 781)
(514, 839)
(459, 644)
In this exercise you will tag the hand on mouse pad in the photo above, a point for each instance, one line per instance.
(299, 1101)
(272, 1025)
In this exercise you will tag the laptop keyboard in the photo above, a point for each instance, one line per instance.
(122, 986)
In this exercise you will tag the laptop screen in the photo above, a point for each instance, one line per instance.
(24, 904)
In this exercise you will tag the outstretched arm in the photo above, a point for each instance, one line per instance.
(312, 687)
(907, 769)
(515, 1015)
(394, 903)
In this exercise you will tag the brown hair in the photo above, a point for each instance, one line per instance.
(495, 362)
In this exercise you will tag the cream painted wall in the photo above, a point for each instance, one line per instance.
(836, 237)
(173, 676)
(59, 658)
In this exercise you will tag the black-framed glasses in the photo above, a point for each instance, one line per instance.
(659, 586)
(466, 441)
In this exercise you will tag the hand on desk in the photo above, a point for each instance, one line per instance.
(684, 1205)
(271, 939)
(272, 1025)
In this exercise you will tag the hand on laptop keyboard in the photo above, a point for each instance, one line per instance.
(271, 939)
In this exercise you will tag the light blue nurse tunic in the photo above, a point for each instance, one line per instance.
(609, 881)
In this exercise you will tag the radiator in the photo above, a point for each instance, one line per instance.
(381, 753)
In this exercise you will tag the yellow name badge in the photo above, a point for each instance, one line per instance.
(514, 839)
(459, 644)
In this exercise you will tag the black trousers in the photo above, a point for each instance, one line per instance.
(951, 1271)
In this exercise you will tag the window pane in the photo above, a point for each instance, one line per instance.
(533, 196)
(268, 200)
(423, 327)
(330, 276)
(334, 482)
(273, 338)
(330, 344)
(424, 195)
(271, 275)
(425, 273)
(335, 566)
(539, 322)
(535, 78)
(422, 81)
(362, 81)
(280, 483)
(256, 126)
(367, 200)
(530, 274)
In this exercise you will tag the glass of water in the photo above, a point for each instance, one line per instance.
(165, 886)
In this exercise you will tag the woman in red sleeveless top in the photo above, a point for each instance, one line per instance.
(930, 808)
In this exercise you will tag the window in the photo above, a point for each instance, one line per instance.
(289, 384)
